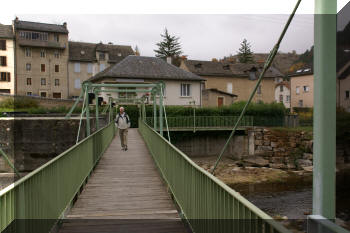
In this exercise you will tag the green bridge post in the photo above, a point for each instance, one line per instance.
(324, 108)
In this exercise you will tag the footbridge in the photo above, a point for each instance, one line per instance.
(94, 186)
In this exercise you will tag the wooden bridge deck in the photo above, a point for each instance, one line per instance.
(124, 194)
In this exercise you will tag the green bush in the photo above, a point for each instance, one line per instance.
(264, 114)
(19, 103)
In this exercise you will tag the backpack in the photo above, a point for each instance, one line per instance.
(127, 118)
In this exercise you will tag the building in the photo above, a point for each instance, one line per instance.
(215, 98)
(87, 59)
(343, 87)
(41, 58)
(181, 87)
(282, 93)
(302, 88)
(7, 60)
(236, 78)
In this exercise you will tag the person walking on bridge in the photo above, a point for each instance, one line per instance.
(123, 123)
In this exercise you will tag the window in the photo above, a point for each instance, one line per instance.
(347, 94)
(57, 82)
(29, 93)
(28, 52)
(77, 67)
(43, 81)
(29, 81)
(281, 98)
(306, 88)
(229, 87)
(43, 94)
(89, 68)
(56, 95)
(287, 98)
(33, 35)
(42, 53)
(259, 89)
(102, 56)
(57, 68)
(42, 67)
(300, 103)
(252, 75)
(56, 54)
(77, 84)
(185, 89)
(3, 61)
(2, 44)
(28, 67)
(297, 90)
(56, 38)
(5, 77)
(281, 88)
(102, 67)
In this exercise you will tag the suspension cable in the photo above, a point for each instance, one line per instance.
(266, 67)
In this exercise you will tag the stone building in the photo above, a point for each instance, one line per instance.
(7, 66)
(41, 58)
(87, 59)
(236, 78)
(181, 87)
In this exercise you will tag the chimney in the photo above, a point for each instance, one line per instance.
(65, 25)
(16, 20)
(168, 60)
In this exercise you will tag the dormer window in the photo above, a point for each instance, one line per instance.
(252, 75)
(198, 66)
(226, 67)
(102, 56)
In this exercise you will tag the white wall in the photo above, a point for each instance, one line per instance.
(172, 93)
(9, 53)
(285, 93)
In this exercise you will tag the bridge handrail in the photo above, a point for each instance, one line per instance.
(204, 121)
(207, 203)
(47, 192)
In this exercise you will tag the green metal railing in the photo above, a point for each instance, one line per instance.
(203, 121)
(207, 203)
(35, 202)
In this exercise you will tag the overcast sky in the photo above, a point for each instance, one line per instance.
(203, 36)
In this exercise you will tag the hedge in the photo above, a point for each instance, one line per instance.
(264, 114)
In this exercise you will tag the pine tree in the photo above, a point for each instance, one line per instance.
(169, 46)
(245, 55)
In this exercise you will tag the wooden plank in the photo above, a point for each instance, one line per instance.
(124, 194)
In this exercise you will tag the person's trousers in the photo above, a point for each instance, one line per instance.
(123, 134)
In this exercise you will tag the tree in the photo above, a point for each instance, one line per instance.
(137, 51)
(169, 46)
(245, 55)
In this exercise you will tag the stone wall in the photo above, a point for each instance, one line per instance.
(283, 149)
(31, 142)
(44, 102)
